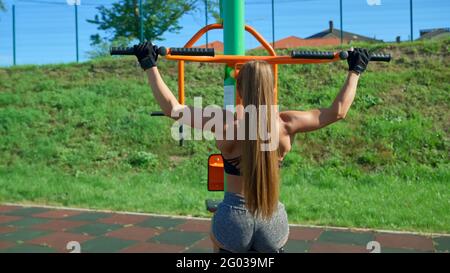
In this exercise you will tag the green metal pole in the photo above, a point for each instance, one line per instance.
(76, 32)
(411, 19)
(14, 33)
(273, 24)
(342, 28)
(234, 42)
(141, 23)
(233, 15)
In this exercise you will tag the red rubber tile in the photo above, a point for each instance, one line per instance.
(304, 233)
(134, 233)
(195, 226)
(59, 225)
(59, 240)
(204, 243)
(7, 218)
(5, 244)
(124, 219)
(391, 240)
(5, 229)
(153, 248)
(5, 208)
(336, 248)
(57, 214)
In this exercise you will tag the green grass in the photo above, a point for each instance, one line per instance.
(80, 135)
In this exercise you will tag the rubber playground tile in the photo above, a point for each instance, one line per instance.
(153, 248)
(23, 248)
(27, 211)
(59, 240)
(26, 222)
(6, 229)
(296, 246)
(336, 248)
(162, 222)
(7, 219)
(442, 244)
(178, 238)
(134, 233)
(105, 245)
(304, 233)
(7, 208)
(195, 226)
(88, 216)
(22, 235)
(395, 240)
(59, 225)
(95, 229)
(346, 237)
(199, 250)
(123, 219)
(6, 244)
(56, 214)
(204, 243)
(401, 250)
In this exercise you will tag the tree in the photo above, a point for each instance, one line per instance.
(214, 10)
(123, 18)
(2, 6)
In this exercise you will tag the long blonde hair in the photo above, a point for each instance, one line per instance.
(255, 83)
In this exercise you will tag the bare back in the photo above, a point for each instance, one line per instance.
(233, 149)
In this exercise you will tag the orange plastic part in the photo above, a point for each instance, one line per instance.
(215, 173)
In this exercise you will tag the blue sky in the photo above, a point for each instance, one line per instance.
(45, 29)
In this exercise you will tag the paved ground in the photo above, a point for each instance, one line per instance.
(39, 229)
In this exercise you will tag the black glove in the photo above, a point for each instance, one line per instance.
(357, 60)
(147, 54)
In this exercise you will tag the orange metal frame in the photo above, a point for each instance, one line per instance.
(237, 61)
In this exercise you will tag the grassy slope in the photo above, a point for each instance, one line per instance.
(80, 135)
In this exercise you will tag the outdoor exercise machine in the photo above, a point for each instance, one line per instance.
(234, 28)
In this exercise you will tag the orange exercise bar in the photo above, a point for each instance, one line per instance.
(232, 60)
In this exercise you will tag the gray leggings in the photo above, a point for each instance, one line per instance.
(237, 230)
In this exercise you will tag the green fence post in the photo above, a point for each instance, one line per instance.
(76, 33)
(342, 28)
(273, 24)
(141, 23)
(411, 19)
(14, 32)
(206, 21)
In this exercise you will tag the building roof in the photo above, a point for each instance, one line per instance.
(434, 33)
(217, 45)
(295, 42)
(333, 32)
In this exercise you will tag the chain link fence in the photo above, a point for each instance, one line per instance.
(52, 31)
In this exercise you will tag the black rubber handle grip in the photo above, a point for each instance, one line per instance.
(378, 57)
(181, 51)
(122, 51)
(130, 51)
(343, 55)
(312, 54)
(374, 57)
